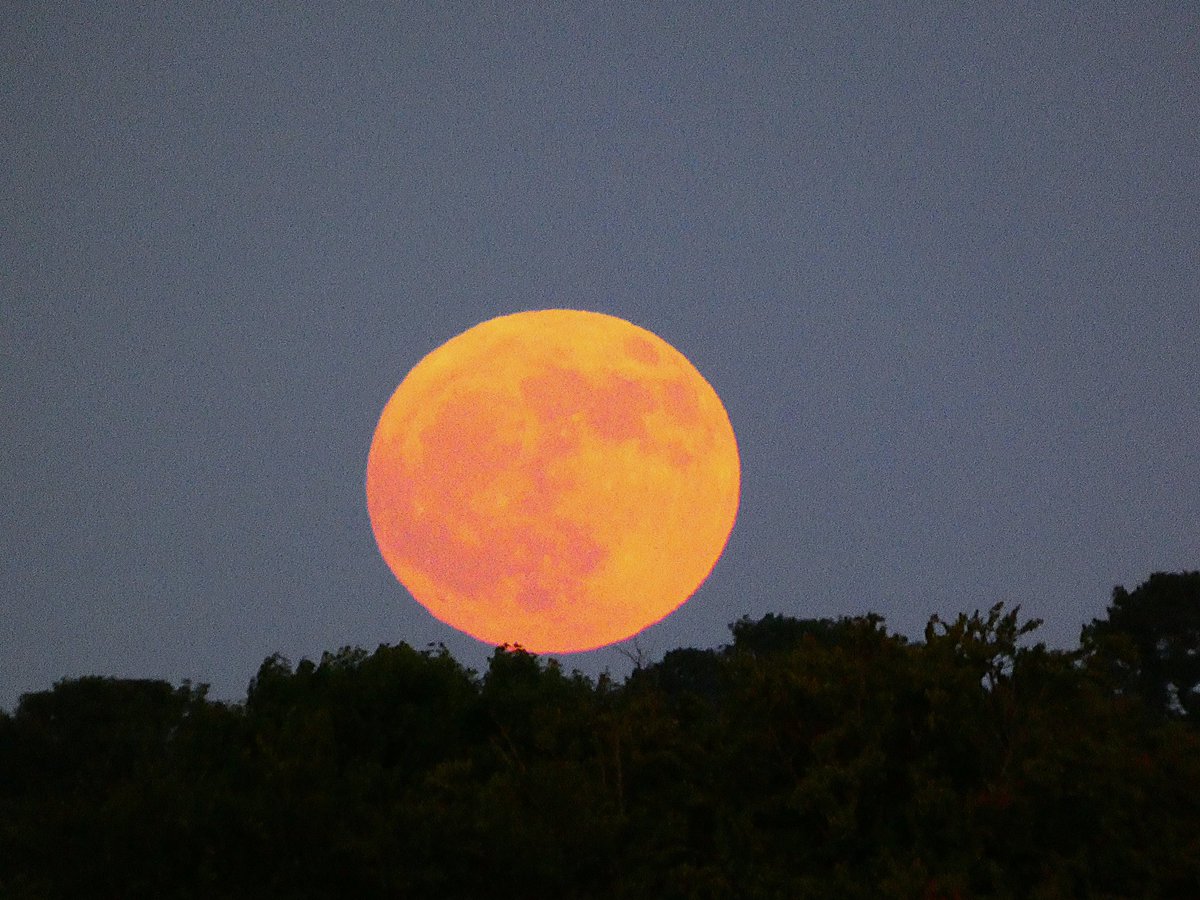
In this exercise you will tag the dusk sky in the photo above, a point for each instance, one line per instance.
(940, 261)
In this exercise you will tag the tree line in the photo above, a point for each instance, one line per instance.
(806, 758)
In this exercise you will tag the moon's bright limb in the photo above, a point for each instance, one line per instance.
(555, 479)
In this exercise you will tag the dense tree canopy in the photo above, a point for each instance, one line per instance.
(1150, 640)
(808, 758)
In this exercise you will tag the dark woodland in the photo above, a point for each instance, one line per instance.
(806, 758)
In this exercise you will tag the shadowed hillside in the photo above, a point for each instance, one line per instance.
(808, 758)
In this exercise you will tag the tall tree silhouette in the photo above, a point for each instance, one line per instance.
(1149, 643)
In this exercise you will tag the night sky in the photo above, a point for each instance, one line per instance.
(941, 262)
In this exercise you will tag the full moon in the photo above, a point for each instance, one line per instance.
(555, 479)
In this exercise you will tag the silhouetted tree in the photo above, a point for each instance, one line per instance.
(779, 634)
(1149, 643)
(806, 759)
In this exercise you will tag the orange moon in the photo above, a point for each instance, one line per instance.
(556, 479)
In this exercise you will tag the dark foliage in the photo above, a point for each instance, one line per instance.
(1150, 643)
(822, 758)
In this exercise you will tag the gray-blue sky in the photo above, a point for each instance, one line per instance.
(940, 261)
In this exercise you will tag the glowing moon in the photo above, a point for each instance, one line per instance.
(556, 479)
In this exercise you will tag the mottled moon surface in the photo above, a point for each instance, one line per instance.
(556, 479)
